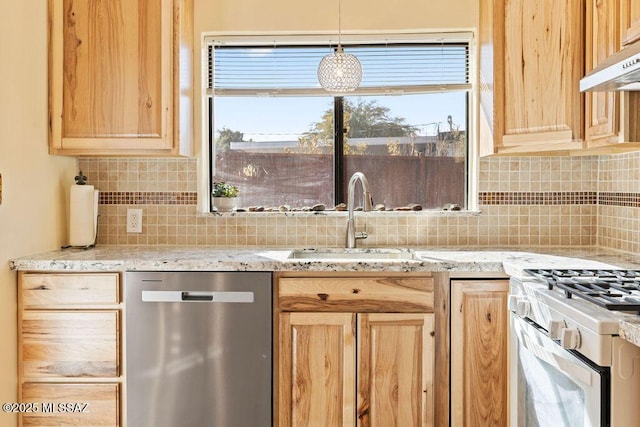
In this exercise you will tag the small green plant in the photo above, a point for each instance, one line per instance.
(222, 189)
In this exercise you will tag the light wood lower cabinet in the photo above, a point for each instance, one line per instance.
(70, 343)
(351, 364)
(395, 369)
(69, 348)
(87, 405)
(479, 368)
(317, 380)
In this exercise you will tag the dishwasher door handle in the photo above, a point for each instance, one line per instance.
(197, 296)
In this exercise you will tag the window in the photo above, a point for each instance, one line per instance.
(283, 140)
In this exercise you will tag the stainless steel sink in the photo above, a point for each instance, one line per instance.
(353, 254)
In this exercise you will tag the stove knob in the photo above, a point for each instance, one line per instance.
(523, 308)
(570, 338)
(555, 328)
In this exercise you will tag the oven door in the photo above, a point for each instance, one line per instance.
(551, 386)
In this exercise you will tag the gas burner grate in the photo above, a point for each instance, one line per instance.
(616, 290)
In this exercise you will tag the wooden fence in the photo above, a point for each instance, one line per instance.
(273, 179)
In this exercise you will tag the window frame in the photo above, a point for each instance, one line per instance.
(468, 37)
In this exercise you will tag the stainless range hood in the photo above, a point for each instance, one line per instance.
(620, 71)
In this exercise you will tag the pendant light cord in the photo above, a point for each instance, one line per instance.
(339, 23)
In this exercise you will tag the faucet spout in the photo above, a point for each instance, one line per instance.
(367, 205)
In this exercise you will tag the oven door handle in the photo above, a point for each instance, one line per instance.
(573, 369)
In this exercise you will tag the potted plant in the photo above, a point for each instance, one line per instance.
(224, 196)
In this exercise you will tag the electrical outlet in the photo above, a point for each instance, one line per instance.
(134, 220)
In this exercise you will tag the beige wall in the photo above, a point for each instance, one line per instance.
(298, 16)
(32, 213)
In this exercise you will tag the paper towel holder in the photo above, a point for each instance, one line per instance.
(81, 179)
(92, 245)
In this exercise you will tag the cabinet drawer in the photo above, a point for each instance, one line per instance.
(69, 344)
(102, 404)
(69, 289)
(352, 294)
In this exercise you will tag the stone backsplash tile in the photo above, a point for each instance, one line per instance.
(619, 202)
(525, 201)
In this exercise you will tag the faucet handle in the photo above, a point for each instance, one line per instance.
(361, 235)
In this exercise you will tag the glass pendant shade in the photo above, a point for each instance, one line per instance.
(339, 72)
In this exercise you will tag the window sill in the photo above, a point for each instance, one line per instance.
(426, 212)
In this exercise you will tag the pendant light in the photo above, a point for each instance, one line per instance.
(339, 71)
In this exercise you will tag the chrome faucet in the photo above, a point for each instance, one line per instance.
(366, 206)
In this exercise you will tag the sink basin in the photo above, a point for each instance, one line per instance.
(353, 254)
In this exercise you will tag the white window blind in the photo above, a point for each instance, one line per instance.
(292, 70)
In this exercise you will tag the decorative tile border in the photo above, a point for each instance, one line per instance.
(538, 198)
(497, 198)
(148, 198)
(619, 199)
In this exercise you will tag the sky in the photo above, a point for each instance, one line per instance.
(285, 118)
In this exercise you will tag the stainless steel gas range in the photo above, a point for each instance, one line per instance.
(568, 366)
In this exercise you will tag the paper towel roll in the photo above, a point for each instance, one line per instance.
(83, 215)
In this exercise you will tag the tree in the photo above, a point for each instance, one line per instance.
(227, 136)
(364, 119)
(367, 119)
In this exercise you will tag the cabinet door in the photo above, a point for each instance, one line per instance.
(543, 67)
(113, 70)
(317, 369)
(395, 370)
(531, 62)
(479, 369)
(69, 344)
(88, 405)
(602, 40)
(630, 21)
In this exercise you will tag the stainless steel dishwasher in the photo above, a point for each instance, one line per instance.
(198, 349)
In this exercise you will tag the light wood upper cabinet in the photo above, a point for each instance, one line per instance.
(479, 368)
(630, 21)
(120, 77)
(602, 40)
(531, 62)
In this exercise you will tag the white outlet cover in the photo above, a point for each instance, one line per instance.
(134, 220)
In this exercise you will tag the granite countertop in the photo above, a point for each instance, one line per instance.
(463, 260)
(630, 331)
(460, 259)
